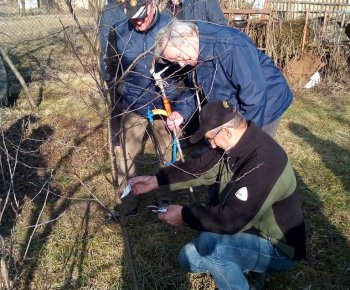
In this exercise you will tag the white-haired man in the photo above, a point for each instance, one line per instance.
(229, 67)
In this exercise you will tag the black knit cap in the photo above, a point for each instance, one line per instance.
(136, 8)
(213, 115)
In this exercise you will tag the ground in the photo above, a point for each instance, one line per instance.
(55, 160)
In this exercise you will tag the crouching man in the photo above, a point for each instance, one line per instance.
(254, 223)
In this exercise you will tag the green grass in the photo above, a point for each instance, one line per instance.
(75, 248)
(316, 137)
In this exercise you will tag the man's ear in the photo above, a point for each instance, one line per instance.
(227, 131)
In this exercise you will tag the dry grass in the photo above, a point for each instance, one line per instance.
(65, 145)
(80, 250)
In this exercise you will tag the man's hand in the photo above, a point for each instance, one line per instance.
(143, 184)
(174, 121)
(173, 215)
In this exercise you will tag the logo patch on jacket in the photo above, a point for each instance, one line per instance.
(242, 194)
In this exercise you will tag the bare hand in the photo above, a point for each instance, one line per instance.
(143, 184)
(173, 216)
(174, 121)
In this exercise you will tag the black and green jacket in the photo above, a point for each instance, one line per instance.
(257, 192)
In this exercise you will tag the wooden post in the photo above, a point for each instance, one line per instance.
(305, 30)
(324, 25)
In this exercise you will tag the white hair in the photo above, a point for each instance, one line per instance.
(174, 35)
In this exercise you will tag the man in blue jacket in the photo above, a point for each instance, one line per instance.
(229, 67)
(128, 62)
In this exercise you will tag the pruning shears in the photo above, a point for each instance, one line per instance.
(157, 209)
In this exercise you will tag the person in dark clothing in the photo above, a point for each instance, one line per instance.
(129, 58)
(112, 12)
(255, 221)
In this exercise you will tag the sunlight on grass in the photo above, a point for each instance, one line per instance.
(75, 248)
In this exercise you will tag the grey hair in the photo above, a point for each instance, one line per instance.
(237, 121)
(174, 35)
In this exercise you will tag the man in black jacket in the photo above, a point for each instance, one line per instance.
(255, 222)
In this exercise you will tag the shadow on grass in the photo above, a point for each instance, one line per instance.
(27, 181)
(22, 167)
(40, 239)
(328, 250)
(77, 254)
(28, 64)
(155, 245)
(333, 156)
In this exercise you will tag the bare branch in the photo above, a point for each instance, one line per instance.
(19, 77)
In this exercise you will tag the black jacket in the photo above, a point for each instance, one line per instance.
(257, 192)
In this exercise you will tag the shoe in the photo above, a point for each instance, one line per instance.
(114, 215)
(131, 212)
(129, 205)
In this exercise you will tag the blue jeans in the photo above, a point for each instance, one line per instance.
(228, 257)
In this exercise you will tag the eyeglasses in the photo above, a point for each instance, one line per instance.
(210, 140)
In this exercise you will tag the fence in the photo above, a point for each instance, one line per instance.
(336, 9)
(28, 19)
(320, 23)
(292, 9)
(20, 21)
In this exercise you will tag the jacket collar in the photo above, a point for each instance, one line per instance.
(206, 47)
(250, 140)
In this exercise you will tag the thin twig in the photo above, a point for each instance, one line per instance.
(37, 221)
(131, 261)
(47, 222)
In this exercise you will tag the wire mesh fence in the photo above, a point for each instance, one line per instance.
(65, 21)
(29, 19)
(20, 21)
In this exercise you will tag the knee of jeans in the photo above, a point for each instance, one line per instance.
(207, 244)
(183, 258)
